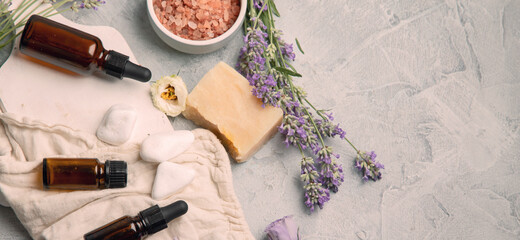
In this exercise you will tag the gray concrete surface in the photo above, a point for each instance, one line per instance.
(430, 85)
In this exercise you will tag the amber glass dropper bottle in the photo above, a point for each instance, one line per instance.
(83, 174)
(75, 50)
(147, 222)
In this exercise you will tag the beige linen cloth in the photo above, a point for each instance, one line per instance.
(214, 211)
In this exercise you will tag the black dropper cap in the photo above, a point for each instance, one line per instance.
(174, 210)
(117, 65)
(115, 174)
(156, 219)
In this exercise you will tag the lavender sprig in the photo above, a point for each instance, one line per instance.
(331, 175)
(88, 4)
(265, 61)
(252, 65)
(366, 163)
(17, 18)
(315, 193)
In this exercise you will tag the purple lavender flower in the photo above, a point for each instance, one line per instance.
(259, 3)
(287, 51)
(88, 4)
(366, 163)
(283, 229)
(331, 174)
(315, 193)
(329, 116)
(252, 64)
(295, 121)
(327, 128)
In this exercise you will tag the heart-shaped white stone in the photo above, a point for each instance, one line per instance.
(162, 147)
(171, 178)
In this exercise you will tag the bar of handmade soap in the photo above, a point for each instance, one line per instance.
(222, 102)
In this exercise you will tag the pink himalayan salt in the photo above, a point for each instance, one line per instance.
(197, 19)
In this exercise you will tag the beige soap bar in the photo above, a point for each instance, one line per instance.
(222, 102)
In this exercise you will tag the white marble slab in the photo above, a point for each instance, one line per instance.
(37, 91)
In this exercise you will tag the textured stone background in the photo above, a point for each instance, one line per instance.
(430, 85)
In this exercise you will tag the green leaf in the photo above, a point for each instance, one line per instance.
(273, 8)
(288, 72)
(264, 17)
(299, 46)
(291, 66)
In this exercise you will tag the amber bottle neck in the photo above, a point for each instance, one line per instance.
(101, 176)
(101, 58)
(140, 226)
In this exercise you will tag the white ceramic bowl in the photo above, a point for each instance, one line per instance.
(193, 46)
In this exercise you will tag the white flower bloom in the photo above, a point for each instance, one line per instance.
(169, 95)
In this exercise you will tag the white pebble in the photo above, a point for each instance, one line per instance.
(164, 146)
(171, 178)
(117, 125)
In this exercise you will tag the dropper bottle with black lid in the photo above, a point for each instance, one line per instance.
(147, 222)
(75, 50)
(83, 174)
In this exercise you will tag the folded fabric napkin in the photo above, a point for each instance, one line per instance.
(214, 211)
